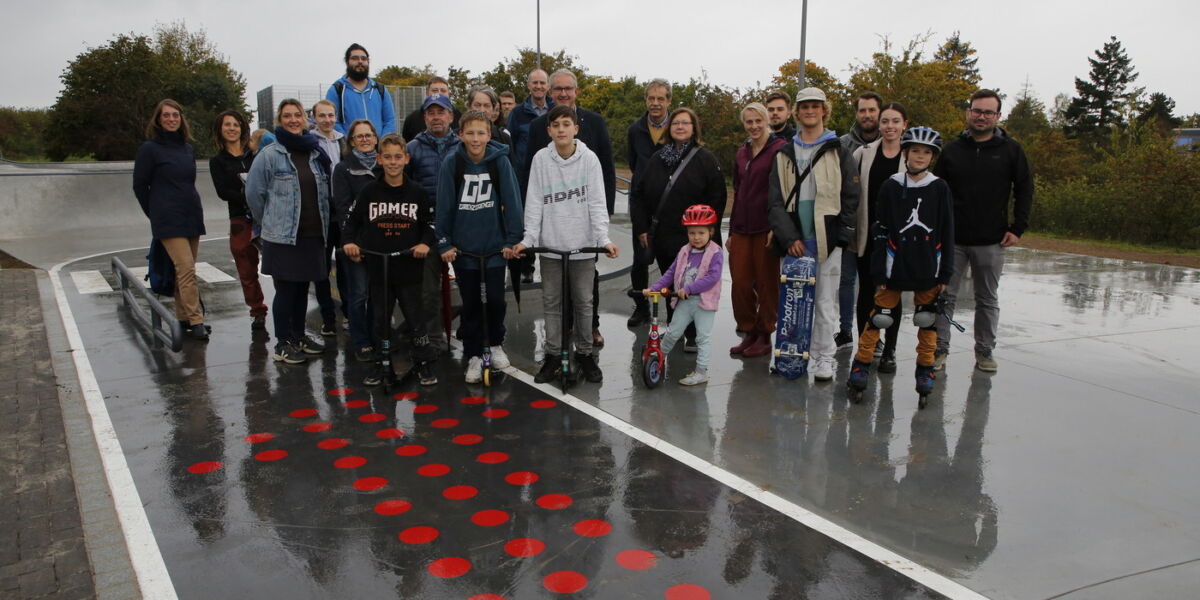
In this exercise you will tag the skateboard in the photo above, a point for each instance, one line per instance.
(793, 324)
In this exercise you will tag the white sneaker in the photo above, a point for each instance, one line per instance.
(694, 378)
(823, 371)
(474, 370)
(499, 358)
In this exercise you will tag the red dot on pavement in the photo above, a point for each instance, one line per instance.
(521, 477)
(204, 467)
(495, 413)
(389, 433)
(393, 507)
(356, 403)
(687, 591)
(593, 528)
(270, 455)
(317, 427)
(333, 443)
(304, 413)
(406, 396)
(487, 597)
(554, 501)
(418, 535)
(367, 484)
(460, 492)
(372, 417)
(525, 547)
(467, 439)
(473, 400)
(349, 462)
(421, 409)
(492, 458)
(489, 518)
(433, 470)
(341, 392)
(637, 560)
(444, 423)
(411, 450)
(449, 567)
(543, 403)
(257, 438)
(565, 582)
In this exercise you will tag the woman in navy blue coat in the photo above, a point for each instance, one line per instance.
(164, 181)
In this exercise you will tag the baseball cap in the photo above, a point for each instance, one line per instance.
(441, 100)
(810, 93)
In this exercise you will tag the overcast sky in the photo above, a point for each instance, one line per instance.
(736, 43)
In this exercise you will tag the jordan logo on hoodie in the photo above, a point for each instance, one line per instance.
(477, 192)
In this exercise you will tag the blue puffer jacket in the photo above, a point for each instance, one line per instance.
(426, 154)
(164, 181)
(518, 127)
(273, 193)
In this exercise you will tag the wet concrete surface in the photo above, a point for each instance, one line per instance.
(1072, 468)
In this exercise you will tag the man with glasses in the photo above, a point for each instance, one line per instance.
(357, 96)
(985, 168)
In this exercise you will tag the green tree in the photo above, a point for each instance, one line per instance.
(1104, 101)
(719, 109)
(509, 74)
(406, 75)
(1027, 117)
(788, 80)
(960, 54)
(1159, 114)
(109, 93)
(22, 131)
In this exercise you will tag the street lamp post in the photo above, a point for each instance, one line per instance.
(803, 36)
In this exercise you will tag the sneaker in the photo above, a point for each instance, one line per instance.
(376, 376)
(689, 346)
(499, 358)
(640, 316)
(695, 378)
(588, 367)
(364, 354)
(984, 361)
(939, 360)
(425, 374)
(859, 372)
(199, 331)
(329, 329)
(289, 353)
(824, 369)
(843, 339)
(887, 362)
(474, 370)
(311, 345)
(760, 347)
(549, 371)
(258, 323)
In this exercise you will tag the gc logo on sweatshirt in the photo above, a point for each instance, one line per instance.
(477, 192)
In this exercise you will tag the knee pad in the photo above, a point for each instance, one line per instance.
(925, 316)
(882, 318)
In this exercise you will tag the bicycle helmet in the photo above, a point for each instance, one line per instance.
(699, 215)
(925, 136)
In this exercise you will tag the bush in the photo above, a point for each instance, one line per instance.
(21, 133)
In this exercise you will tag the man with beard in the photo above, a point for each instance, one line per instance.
(508, 101)
(414, 123)
(357, 96)
(779, 115)
(864, 131)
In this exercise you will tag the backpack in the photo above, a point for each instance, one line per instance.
(339, 87)
(161, 270)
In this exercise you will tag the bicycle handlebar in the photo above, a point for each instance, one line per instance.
(635, 294)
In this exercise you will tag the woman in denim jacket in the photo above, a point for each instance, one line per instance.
(288, 194)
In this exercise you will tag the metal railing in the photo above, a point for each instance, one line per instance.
(153, 319)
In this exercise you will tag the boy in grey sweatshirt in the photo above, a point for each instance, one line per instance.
(565, 209)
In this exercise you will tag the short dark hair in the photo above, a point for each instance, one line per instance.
(871, 96)
(986, 94)
(559, 111)
(475, 115)
(896, 106)
(243, 137)
(392, 139)
(508, 94)
(435, 79)
(778, 95)
(352, 48)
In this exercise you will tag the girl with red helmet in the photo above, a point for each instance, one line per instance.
(695, 276)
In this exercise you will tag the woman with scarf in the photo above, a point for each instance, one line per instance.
(288, 194)
(164, 182)
(678, 175)
(350, 176)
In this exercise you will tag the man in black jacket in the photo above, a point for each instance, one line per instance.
(644, 138)
(985, 168)
(779, 115)
(414, 123)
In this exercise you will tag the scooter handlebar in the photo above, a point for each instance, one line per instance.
(545, 250)
(404, 252)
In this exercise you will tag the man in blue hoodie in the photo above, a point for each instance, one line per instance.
(357, 96)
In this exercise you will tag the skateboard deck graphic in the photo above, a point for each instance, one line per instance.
(793, 324)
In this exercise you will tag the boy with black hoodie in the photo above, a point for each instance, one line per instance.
(479, 211)
(392, 214)
(914, 251)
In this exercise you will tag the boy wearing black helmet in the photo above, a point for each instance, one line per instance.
(914, 251)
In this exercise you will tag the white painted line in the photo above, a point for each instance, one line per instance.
(211, 274)
(922, 575)
(152, 577)
(90, 282)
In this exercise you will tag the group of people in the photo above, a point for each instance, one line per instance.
(478, 189)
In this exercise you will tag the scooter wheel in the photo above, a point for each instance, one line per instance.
(487, 377)
(652, 374)
(922, 402)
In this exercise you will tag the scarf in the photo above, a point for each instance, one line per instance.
(306, 142)
(366, 159)
(672, 154)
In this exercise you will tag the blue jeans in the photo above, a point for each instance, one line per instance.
(688, 312)
(354, 300)
(846, 300)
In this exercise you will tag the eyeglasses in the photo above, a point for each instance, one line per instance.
(562, 89)
(688, 123)
(364, 136)
(975, 112)
(360, 57)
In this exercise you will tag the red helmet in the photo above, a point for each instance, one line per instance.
(699, 214)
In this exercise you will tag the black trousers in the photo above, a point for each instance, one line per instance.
(408, 296)
(288, 309)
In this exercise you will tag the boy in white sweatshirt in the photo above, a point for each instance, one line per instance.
(565, 209)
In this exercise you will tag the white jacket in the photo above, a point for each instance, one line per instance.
(565, 206)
